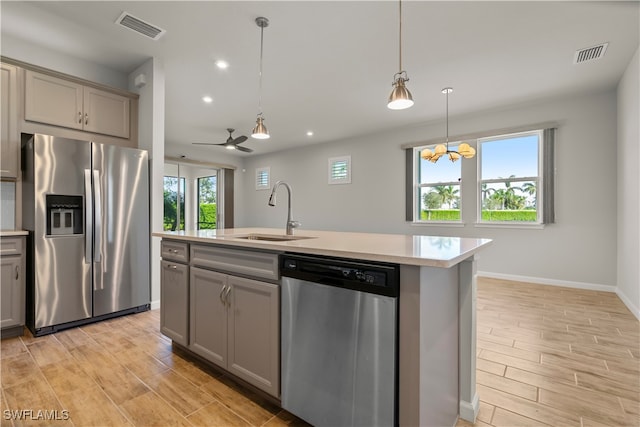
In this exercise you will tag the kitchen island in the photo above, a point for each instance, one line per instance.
(437, 314)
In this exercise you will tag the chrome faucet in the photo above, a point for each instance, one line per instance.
(291, 224)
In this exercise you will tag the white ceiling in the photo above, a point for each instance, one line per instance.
(329, 65)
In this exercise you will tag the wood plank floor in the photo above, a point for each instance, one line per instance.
(546, 356)
(555, 356)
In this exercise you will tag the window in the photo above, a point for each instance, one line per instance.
(438, 189)
(510, 178)
(514, 181)
(262, 179)
(340, 170)
(171, 207)
(207, 202)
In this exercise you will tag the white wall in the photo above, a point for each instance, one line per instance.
(151, 138)
(580, 247)
(629, 186)
(25, 51)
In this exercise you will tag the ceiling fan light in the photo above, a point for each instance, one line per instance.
(400, 97)
(230, 147)
(260, 131)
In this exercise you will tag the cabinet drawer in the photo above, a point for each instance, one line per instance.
(248, 263)
(11, 246)
(175, 251)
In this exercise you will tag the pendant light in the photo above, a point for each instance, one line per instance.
(464, 149)
(400, 97)
(260, 131)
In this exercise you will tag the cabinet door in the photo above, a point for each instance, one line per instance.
(10, 137)
(208, 316)
(174, 302)
(11, 291)
(106, 113)
(53, 101)
(254, 333)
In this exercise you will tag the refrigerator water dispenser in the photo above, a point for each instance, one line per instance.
(64, 215)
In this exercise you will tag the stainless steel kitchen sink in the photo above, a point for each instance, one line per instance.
(271, 237)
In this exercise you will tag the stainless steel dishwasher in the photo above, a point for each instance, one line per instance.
(339, 341)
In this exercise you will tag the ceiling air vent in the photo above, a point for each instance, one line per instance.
(139, 26)
(590, 53)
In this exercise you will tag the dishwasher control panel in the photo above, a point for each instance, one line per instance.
(379, 278)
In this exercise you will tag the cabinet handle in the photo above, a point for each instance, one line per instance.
(173, 267)
(222, 293)
(86, 118)
(226, 296)
(17, 272)
(79, 116)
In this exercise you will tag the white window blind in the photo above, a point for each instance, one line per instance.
(263, 178)
(340, 170)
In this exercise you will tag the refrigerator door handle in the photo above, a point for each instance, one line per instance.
(97, 241)
(88, 216)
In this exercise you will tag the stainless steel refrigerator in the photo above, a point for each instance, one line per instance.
(86, 208)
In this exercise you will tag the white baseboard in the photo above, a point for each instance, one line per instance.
(630, 305)
(551, 282)
(469, 410)
(155, 305)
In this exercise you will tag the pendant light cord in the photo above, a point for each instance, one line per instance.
(447, 120)
(400, 38)
(260, 85)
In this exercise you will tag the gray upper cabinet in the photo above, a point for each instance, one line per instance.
(10, 135)
(69, 104)
(12, 286)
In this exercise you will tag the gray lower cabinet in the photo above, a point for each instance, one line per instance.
(174, 301)
(174, 291)
(12, 286)
(235, 324)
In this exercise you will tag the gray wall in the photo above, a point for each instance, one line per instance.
(629, 186)
(580, 249)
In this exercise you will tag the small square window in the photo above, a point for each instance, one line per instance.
(263, 178)
(340, 170)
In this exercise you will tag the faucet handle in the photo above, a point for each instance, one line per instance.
(294, 224)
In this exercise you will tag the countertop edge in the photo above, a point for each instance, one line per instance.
(13, 233)
(349, 254)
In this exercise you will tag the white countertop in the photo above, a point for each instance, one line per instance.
(13, 233)
(434, 251)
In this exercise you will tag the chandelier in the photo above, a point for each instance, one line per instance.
(464, 149)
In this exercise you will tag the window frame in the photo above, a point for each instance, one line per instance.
(417, 186)
(197, 219)
(539, 181)
(266, 171)
(339, 180)
(471, 171)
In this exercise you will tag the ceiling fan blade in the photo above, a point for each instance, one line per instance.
(245, 149)
(240, 139)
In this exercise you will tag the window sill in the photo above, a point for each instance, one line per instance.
(521, 225)
(438, 223)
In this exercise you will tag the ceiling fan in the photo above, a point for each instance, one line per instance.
(231, 143)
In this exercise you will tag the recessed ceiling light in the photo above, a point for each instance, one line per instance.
(207, 99)
(222, 64)
(309, 133)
